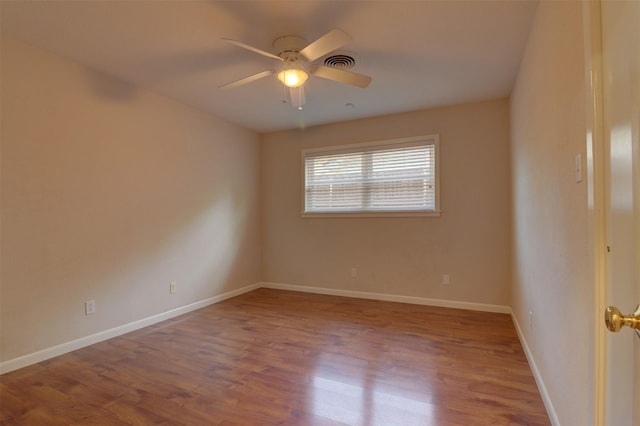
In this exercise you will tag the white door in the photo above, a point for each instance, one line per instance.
(621, 128)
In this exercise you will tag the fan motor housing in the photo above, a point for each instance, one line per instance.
(288, 45)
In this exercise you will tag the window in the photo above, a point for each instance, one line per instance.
(397, 177)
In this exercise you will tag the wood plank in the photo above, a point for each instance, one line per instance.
(277, 357)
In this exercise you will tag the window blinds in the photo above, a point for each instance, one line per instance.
(387, 178)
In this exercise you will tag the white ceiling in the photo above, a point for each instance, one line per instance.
(420, 54)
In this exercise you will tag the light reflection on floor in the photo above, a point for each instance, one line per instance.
(354, 405)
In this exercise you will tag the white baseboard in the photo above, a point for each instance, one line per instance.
(546, 399)
(42, 355)
(391, 298)
(35, 357)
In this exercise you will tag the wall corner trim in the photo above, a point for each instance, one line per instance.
(63, 348)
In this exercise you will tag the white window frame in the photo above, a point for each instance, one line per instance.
(389, 143)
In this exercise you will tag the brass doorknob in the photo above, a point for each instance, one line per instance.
(615, 320)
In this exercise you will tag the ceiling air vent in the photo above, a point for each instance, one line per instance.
(340, 59)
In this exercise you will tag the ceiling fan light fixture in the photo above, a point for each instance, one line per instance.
(293, 77)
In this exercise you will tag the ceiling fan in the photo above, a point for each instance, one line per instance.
(296, 55)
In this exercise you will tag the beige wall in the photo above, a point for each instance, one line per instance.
(110, 192)
(399, 256)
(552, 274)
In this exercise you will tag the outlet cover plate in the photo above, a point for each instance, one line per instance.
(90, 307)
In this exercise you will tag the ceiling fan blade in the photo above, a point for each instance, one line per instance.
(253, 49)
(329, 42)
(346, 77)
(247, 79)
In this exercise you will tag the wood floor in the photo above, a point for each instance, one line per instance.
(284, 358)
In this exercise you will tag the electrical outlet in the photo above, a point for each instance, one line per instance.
(90, 307)
(173, 287)
(354, 272)
(445, 279)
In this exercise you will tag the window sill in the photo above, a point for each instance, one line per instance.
(431, 213)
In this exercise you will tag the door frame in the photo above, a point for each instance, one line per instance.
(596, 179)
